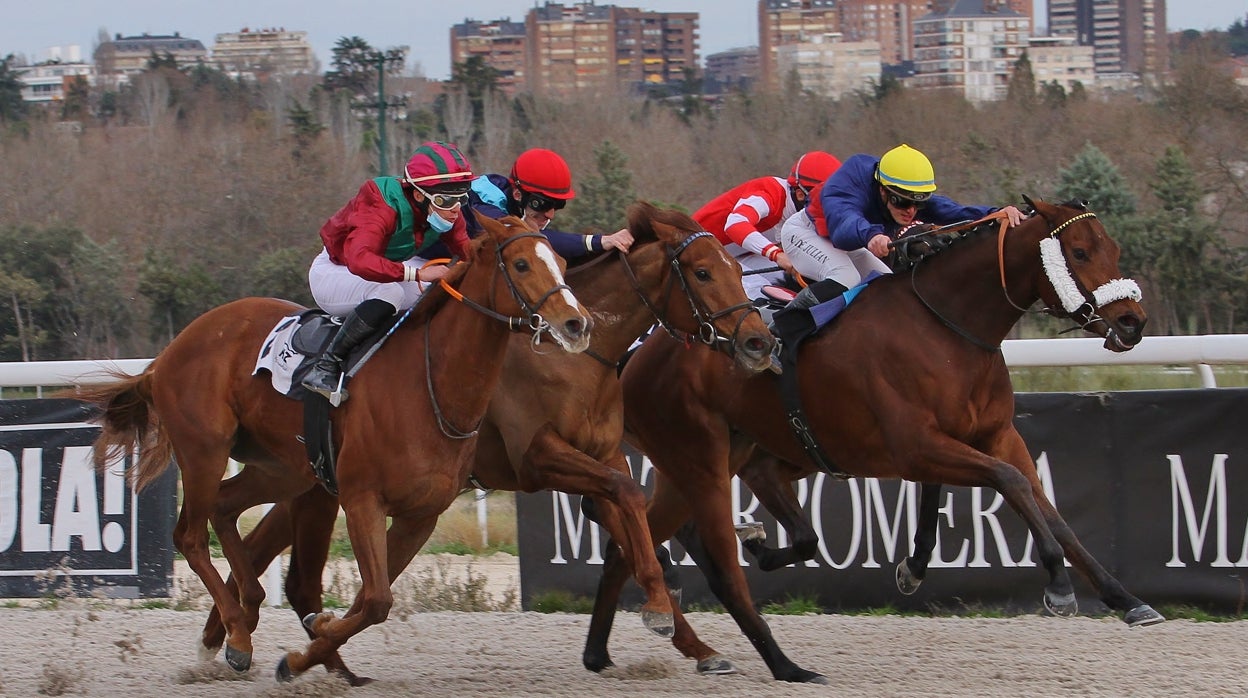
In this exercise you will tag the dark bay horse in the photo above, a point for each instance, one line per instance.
(908, 383)
(556, 421)
(198, 402)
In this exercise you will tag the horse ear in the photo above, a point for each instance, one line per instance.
(1027, 200)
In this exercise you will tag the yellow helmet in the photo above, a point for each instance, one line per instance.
(905, 168)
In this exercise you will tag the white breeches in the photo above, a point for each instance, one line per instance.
(337, 291)
(754, 283)
(816, 258)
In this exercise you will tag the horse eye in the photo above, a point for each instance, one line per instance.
(1080, 254)
(521, 265)
(702, 275)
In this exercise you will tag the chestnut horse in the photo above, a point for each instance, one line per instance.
(909, 382)
(556, 422)
(199, 402)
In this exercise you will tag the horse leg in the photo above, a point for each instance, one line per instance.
(912, 570)
(200, 484)
(715, 551)
(1134, 612)
(666, 512)
(776, 494)
(551, 463)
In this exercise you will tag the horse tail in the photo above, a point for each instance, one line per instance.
(127, 420)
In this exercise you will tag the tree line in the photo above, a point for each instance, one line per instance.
(124, 214)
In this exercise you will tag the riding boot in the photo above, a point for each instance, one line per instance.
(816, 293)
(326, 376)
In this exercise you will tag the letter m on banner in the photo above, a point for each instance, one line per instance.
(1183, 513)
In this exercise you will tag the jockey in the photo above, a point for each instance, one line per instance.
(540, 184)
(375, 247)
(869, 202)
(748, 217)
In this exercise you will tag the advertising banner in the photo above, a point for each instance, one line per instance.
(65, 526)
(1153, 483)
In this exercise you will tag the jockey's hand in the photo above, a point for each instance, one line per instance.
(878, 245)
(1014, 215)
(620, 240)
(433, 272)
(783, 261)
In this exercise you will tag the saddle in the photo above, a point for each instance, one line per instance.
(288, 354)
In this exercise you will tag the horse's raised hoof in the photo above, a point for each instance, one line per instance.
(907, 583)
(716, 665)
(1063, 606)
(237, 659)
(752, 530)
(308, 620)
(283, 674)
(661, 624)
(1142, 616)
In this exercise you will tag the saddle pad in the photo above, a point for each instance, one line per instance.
(279, 358)
(825, 312)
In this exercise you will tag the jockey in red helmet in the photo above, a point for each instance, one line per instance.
(375, 249)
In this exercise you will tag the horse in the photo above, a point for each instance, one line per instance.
(916, 388)
(556, 422)
(403, 440)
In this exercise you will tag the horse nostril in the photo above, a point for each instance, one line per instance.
(574, 327)
(756, 346)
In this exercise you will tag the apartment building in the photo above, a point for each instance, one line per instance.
(970, 48)
(1127, 36)
(655, 48)
(830, 66)
(1061, 60)
(129, 55)
(784, 22)
(261, 51)
(49, 81)
(500, 43)
(734, 69)
(889, 23)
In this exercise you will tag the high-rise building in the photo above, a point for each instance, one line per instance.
(1059, 59)
(1126, 36)
(889, 23)
(970, 49)
(829, 66)
(782, 22)
(501, 44)
(268, 50)
(734, 69)
(585, 46)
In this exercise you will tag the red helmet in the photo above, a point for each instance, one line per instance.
(541, 171)
(436, 163)
(812, 168)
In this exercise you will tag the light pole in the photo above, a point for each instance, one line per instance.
(380, 59)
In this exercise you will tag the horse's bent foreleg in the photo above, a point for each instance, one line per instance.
(776, 495)
(551, 463)
(1135, 612)
(913, 570)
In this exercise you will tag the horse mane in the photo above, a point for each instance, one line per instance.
(642, 215)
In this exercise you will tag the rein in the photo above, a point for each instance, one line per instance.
(534, 322)
(707, 333)
(1075, 301)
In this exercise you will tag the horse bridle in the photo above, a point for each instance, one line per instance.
(534, 323)
(707, 333)
(1077, 303)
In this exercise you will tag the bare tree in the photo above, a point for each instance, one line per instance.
(457, 117)
(496, 131)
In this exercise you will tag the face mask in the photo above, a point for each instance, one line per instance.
(438, 223)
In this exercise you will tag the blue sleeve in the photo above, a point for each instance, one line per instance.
(846, 199)
(941, 210)
(573, 245)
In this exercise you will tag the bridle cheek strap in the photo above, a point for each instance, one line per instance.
(1068, 290)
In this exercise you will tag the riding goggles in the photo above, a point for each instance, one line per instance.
(444, 200)
(542, 204)
(909, 199)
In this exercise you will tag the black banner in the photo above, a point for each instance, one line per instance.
(62, 523)
(1154, 484)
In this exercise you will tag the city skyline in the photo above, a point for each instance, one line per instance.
(33, 29)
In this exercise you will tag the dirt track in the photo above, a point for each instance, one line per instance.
(95, 648)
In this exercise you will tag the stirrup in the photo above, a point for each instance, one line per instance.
(337, 396)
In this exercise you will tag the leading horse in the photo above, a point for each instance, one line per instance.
(909, 382)
(199, 403)
(556, 422)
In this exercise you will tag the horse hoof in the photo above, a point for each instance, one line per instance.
(283, 674)
(350, 677)
(308, 620)
(752, 530)
(907, 583)
(716, 665)
(238, 660)
(1063, 606)
(661, 624)
(805, 676)
(1142, 616)
(207, 654)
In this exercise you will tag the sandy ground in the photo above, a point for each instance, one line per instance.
(104, 648)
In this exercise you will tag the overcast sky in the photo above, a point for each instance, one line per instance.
(31, 27)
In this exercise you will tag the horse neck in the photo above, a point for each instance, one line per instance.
(963, 284)
(620, 314)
